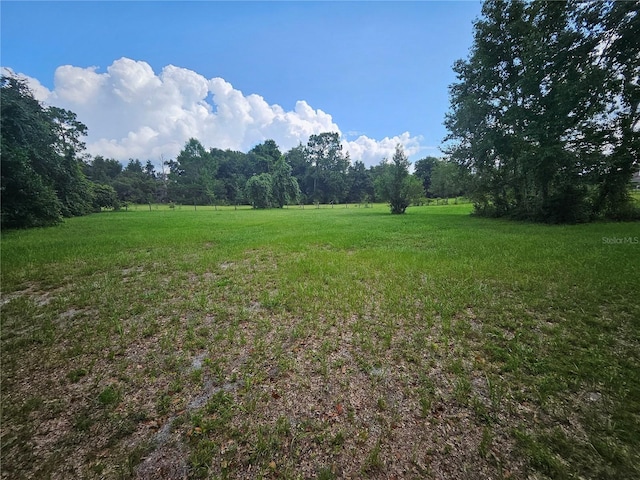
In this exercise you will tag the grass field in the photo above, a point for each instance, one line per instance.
(320, 343)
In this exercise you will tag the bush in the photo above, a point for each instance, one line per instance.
(258, 190)
(104, 196)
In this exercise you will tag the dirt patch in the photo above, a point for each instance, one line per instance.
(168, 462)
(32, 292)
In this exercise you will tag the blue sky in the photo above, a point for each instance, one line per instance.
(376, 71)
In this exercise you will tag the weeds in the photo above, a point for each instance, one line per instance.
(109, 396)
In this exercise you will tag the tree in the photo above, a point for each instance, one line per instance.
(327, 168)
(27, 199)
(42, 177)
(150, 170)
(422, 169)
(544, 110)
(234, 168)
(284, 187)
(415, 190)
(395, 183)
(445, 179)
(101, 170)
(398, 192)
(192, 175)
(134, 167)
(264, 156)
(136, 183)
(615, 28)
(379, 175)
(104, 196)
(65, 161)
(301, 170)
(258, 190)
(360, 182)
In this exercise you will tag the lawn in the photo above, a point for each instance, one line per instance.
(320, 343)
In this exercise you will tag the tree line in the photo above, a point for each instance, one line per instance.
(47, 175)
(316, 173)
(545, 114)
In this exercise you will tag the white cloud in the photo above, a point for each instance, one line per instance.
(79, 86)
(40, 92)
(132, 112)
(372, 151)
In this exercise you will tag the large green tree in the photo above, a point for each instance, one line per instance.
(301, 170)
(615, 28)
(423, 168)
(137, 183)
(446, 179)
(263, 157)
(529, 114)
(192, 176)
(102, 170)
(327, 169)
(284, 187)
(41, 155)
(234, 168)
(360, 182)
(415, 190)
(104, 196)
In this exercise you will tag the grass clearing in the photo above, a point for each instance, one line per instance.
(330, 343)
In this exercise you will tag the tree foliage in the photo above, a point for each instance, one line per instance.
(317, 171)
(41, 153)
(284, 187)
(415, 190)
(327, 169)
(192, 177)
(258, 190)
(104, 196)
(360, 181)
(422, 169)
(264, 156)
(447, 179)
(395, 183)
(538, 114)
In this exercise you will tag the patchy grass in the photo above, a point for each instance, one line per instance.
(320, 343)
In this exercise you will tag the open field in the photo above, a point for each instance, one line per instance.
(320, 343)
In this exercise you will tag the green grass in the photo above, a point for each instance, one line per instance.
(327, 343)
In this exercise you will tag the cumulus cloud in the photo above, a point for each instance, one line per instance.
(132, 112)
(371, 151)
(40, 92)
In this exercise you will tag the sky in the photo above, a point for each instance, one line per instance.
(144, 77)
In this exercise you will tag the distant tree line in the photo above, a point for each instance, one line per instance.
(264, 177)
(545, 114)
(46, 174)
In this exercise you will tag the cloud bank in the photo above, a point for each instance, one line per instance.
(132, 112)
